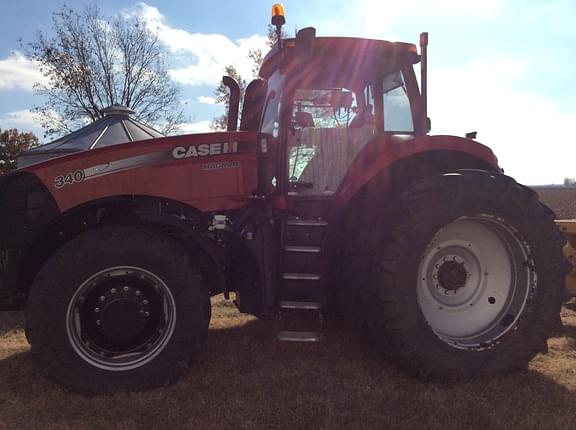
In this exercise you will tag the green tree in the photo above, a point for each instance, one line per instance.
(12, 144)
(569, 182)
(92, 62)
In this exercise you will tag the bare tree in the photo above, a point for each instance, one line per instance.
(92, 63)
(12, 144)
(222, 92)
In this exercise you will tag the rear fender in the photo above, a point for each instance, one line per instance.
(393, 162)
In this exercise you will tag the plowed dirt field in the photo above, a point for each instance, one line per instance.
(561, 200)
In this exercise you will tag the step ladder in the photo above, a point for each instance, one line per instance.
(302, 296)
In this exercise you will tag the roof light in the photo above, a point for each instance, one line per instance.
(278, 16)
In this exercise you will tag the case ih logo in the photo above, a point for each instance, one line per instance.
(204, 149)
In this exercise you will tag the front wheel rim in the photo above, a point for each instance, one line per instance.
(121, 318)
(474, 281)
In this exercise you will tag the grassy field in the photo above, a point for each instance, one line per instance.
(245, 379)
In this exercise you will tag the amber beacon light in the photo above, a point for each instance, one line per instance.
(278, 16)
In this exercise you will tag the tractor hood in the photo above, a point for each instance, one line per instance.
(191, 165)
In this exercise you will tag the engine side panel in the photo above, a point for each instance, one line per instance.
(211, 172)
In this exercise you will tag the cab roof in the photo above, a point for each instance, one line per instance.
(342, 53)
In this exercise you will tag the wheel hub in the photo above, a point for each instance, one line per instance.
(121, 320)
(121, 317)
(452, 275)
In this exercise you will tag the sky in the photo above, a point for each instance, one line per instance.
(503, 68)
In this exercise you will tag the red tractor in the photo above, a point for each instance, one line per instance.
(330, 197)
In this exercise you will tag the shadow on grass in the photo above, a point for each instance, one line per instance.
(566, 331)
(245, 379)
(10, 321)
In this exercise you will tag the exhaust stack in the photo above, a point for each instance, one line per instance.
(424, 80)
(234, 103)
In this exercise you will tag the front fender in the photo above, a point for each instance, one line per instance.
(26, 208)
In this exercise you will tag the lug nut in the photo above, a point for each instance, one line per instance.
(145, 301)
(102, 298)
(96, 310)
(113, 290)
(125, 288)
(137, 292)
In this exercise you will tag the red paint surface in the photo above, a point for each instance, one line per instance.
(178, 179)
(386, 150)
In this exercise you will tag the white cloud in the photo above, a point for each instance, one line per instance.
(19, 72)
(527, 132)
(389, 18)
(23, 120)
(208, 53)
(391, 9)
(207, 100)
(195, 127)
(20, 119)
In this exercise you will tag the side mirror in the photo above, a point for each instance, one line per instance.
(304, 48)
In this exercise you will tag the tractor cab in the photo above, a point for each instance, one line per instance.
(326, 101)
(320, 101)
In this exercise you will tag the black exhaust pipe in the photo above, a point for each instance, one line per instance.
(424, 80)
(234, 102)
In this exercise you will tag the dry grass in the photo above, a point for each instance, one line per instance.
(245, 379)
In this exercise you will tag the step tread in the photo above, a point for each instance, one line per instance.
(300, 305)
(302, 276)
(299, 336)
(306, 222)
(303, 249)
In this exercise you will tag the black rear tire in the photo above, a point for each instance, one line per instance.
(117, 309)
(429, 272)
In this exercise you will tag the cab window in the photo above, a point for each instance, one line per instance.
(397, 111)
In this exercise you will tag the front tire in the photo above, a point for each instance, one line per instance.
(468, 281)
(117, 309)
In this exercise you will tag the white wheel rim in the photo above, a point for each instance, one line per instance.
(474, 280)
